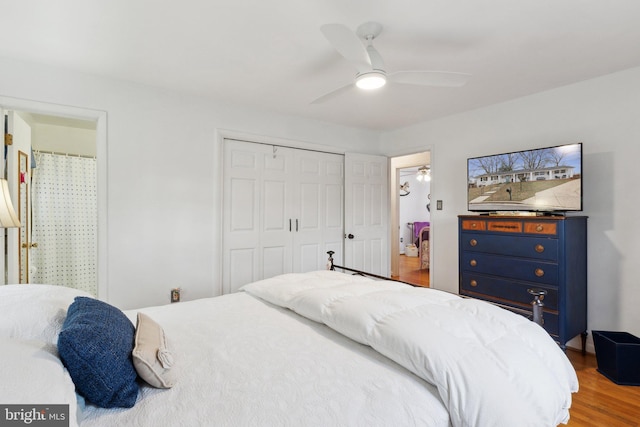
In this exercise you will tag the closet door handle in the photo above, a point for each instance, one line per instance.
(296, 225)
(289, 224)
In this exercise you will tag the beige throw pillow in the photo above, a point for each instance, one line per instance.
(151, 357)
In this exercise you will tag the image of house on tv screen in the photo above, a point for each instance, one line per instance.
(543, 180)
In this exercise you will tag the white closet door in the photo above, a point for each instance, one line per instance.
(257, 208)
(318, 202)
(366, 213)
(283, 210)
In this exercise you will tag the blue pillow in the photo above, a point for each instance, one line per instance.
(95, 345)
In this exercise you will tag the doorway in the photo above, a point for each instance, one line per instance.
(57, 199)
(411, 218)
(56, 133)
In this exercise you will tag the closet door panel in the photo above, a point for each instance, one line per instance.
(275, 232)
(275, 207)
(282, 211)
(243, 203)
(333, 217)
(318, 198)
(238, 273)
(310, 208)
(276, 212)
(275, 261)
(309, 256)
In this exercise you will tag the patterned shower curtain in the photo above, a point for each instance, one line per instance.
(64, 222)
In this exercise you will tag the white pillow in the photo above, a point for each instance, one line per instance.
(35, 311)
(32, 374)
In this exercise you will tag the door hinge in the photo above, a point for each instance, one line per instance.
(8, 139)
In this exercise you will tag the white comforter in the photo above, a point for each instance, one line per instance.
(491, 367)
(244, 362)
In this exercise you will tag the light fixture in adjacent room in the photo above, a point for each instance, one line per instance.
(424, 174)
(372, 80)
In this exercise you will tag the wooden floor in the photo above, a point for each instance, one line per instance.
(601, 402)
(410, 271)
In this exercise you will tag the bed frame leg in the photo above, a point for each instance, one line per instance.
(538, 296)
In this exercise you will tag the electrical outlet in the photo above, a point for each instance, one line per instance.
(401, 239)
(439, 205)
(175, 295)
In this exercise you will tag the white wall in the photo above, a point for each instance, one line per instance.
(603, 114)
(163, 187)
(64, 139)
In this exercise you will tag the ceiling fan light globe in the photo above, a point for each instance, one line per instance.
(371, 81)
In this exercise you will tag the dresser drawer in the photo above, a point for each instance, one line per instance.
(514, 268)
(505, 226)
(474, 224)
(506, 291)
(518, 246)
(548, 228)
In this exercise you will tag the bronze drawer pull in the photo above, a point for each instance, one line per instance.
(539, 248)
(539, 227)
(473, 263)
(539, 272)
(473, 242)
(474, 225)
(473, 283)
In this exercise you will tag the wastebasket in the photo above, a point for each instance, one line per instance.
(618, 356)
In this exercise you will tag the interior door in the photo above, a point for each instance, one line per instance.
(18, 161)
(366, 213)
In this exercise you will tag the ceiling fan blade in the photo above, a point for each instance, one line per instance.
(430, 78)
(333, 94)
(347, 43)
(377, 63)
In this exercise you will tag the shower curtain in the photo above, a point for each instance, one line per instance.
(64, 222)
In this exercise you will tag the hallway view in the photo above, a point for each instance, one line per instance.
(410, 271)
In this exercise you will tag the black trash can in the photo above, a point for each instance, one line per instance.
(618, 356)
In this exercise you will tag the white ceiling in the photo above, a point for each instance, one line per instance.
(270, 54)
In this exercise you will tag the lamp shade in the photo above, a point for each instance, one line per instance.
(8, 217)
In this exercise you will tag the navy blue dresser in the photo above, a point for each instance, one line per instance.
(501, 258)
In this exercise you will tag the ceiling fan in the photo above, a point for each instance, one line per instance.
(371, 73)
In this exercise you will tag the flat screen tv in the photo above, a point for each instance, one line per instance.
(539, 180)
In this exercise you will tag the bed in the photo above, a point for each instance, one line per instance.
(320, 348)
(421, 230)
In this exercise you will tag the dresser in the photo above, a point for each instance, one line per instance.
(502, 257)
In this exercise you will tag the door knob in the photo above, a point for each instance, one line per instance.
(351, 236)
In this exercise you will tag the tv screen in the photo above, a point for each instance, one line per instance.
(539, 180)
